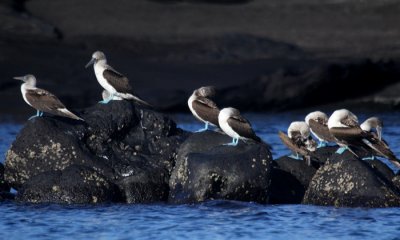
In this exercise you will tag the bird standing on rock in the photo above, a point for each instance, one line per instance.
(373, 123)
(345, 128)
(116, 84)
(236, 126)
(42, 100)
(299, 141)
(376, 141)
(203, 108)
(318, 123)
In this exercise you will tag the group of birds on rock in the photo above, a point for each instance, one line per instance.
(116, 87)
(342, 127)
(229, 119)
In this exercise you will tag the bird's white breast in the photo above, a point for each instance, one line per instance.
(223, 123)
(98, 70)
(190, 104)
(23, 91)
(366, 126)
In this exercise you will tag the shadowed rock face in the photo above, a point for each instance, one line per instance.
(345, 181)
(291, 177)
(75, 184)
(396, 181)
(132, 147)
(206, 169)
(3, 185)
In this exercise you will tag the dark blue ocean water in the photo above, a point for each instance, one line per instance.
(209, 220)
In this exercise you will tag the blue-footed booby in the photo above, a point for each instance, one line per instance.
(236, 126)
(203, 108)
(318, 123)
(116, 84)
(373, 123)
(42, 100)
(376, 142)
(343, 125)
(299, 141)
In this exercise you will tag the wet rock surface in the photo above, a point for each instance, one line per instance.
(290, 180)
(291, 177)
(73, 185)
(207, 169)
(396, 181)
(4, 187)
(132, 147)
(345, 181)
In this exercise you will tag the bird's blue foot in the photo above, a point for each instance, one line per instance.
(369, 158)
(203, 129)
(34, 116)
(234, 142)
(341, 150)
(38, 114)
(322, 144)
(105, 101)
(297, 156)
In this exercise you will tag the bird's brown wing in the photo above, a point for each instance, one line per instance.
(117, 80)
(321, 130)
(206, 110)
(43, 100)
(351, 122)
(293, 146)
(349, 135)
(381, 148)
(243, 127)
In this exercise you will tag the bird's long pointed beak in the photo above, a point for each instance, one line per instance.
(19, 78)
(90, 62)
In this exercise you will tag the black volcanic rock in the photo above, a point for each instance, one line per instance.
(290, 180)
(132, 147)
(291, 177)
(75, 184)
(4, 187)
(396, 181)
(346, 181)
(206, 169)
(382, 169)
(321, 155)
(47, 144)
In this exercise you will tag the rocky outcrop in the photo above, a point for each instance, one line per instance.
(75, 184)
(206, 169)
(4, 187)
(291, 177)
(346, 181)
(290, 180)
(129, 146)
(396, 181)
